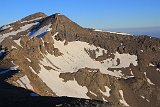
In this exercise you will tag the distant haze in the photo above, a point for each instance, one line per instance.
(150, 31)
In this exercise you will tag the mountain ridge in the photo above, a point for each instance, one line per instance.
(57, 57)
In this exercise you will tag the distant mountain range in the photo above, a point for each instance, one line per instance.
(150, 31)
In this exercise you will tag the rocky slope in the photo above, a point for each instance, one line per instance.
(53, 56)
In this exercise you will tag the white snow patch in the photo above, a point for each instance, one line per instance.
(92, 70)
(28, 59)
(23, 28)
(5, 27)
(61, 88)
(1, 51)
(13, 47)
(141, 50)
(75, 57)
(93, 93)
(125, 60)
(107, 93)
(132, 73)
(122, 101)
(11, 28)
(26, 83)
(59, 14)
(32, 70)
(148, 80)
(59, 105)
(98, 30)
(145, 98)
(120, 33)
(13, 68)
(105, 99)
(55, 34)
(18, 41)
(158, 69)
(118, 73)
(41, 31)
(20, 83)
(32, 20)
(150, 64)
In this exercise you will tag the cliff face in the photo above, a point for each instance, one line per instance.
(56, 57)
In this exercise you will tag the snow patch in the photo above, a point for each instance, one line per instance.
(28, 59)
(119, 33)
(107, 93)
(13, 47)
(105, 99)
(32, 20)
(56, 34)
(18, 41)
(145, 98)
(125, 60)
(158, 69)
(5, 27)
(150, 64)
(148, 80)
(118, 73)
(25, 81)
(122, 101)
(93, 93)
(20, 83)
(23, 28)
(59, 14)
(61, 88)
(92, 70)
(41, 32)
(32, 70)
(75, 57)
(59, 105)
(132, 75)
(98, 30)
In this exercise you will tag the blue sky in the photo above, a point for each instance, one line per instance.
(100, 14)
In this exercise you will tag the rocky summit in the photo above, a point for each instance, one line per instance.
(44, 58)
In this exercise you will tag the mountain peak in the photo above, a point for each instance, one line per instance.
(57, 57)
(34, 16)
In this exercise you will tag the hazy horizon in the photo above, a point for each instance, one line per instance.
(149, 31)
